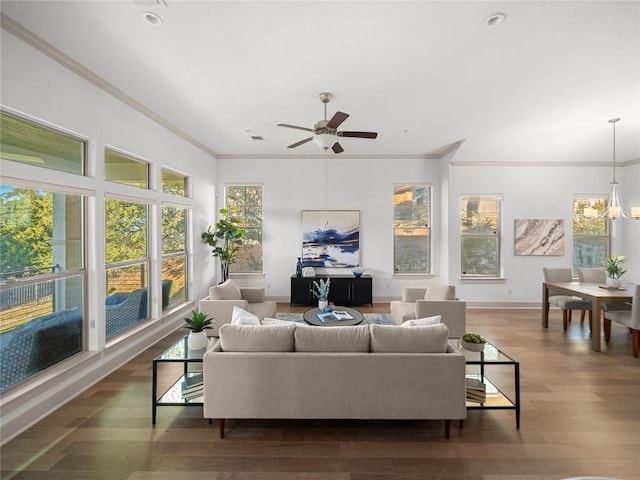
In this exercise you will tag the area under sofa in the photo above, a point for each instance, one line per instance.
(294, 371)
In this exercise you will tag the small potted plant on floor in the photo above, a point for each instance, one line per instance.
(613, 266)
(197, 323)
(473, 342)
(321, 290)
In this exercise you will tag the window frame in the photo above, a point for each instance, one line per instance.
(497, 234)
(227, 203)
(428, 227)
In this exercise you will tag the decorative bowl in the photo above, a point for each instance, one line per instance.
(473, 347)
(357, 272)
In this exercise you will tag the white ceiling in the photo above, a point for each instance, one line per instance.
(540, 87)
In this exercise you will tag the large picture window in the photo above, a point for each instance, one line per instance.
(248, 200)
(590, 231)
(127, 265)
(174, 255)
(42, 278)
(412, 228)
(480, 231)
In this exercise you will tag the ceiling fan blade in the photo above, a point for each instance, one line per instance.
(337, 148)
(358, 134)
(337, 119)
(294, 126)
(297, 144)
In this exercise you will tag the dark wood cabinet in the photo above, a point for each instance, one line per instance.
(344, 290)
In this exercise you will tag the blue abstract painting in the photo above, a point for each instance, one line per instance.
(331, 238)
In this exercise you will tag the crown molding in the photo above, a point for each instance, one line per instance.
(19, 31)
(269, 156)
(628, 163)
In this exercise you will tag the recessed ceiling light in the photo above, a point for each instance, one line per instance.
(494, 20)
(152, 18)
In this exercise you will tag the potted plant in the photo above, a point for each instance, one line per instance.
(473, 342)
(321, 290)
(197, 323)
(613, 267)
(225, 239)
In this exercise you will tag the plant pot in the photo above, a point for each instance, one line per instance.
(613, 282)
(322, 304)
(473, 347)
(197, 340)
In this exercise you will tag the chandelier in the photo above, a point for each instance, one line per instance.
(614, 208)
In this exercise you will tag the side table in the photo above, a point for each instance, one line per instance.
(176, 353)
(496, 398)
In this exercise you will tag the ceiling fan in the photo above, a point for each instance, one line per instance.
(326, 131)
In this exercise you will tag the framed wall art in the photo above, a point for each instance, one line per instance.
(539, 237)
(331, 238)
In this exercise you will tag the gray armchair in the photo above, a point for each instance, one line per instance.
(437, 299)
(222, 298)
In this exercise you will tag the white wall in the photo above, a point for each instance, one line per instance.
(333, 183)
(35, 85)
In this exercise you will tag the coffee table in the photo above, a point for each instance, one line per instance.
(311, 317)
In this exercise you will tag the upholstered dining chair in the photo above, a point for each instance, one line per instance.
(628, 318)
(567, 303)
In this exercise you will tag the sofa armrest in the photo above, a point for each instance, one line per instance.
(453, 312)
(411, 294)
(252, 294)
(220, 311)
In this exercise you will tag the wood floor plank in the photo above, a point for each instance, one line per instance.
(580, 416)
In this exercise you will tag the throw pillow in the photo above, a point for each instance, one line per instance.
(440, 291)
(423, 321)
(242, 317)
(228, 290)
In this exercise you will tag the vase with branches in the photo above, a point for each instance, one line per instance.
(321, 290)
(225, 238)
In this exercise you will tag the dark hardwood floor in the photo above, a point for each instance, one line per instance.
(580, 416)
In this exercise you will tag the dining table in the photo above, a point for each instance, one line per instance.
(595, 293)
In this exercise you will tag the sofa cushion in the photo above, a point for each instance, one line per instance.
(440, 291)
(423, 321)
(418, 339)
(240, 316)
(275, 321)
(228, 290)
(332, 339)
(257, 338)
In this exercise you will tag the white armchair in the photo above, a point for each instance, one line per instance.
(222, 298)
(437, 299)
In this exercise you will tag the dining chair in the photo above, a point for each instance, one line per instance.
(628, 318)
(567, 303)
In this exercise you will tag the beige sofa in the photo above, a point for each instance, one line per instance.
(222, 298)
(437, 299)
(362, 372)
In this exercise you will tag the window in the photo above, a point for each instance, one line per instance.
(590, 231)
(121, 168)
(42, 278)
(173, 183)
(248, 200)
(480, 231)
(26, 142)
(174, 255)
(412, 228)
(127, 264)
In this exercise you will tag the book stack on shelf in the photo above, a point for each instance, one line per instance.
(192, 387)
(476, 390)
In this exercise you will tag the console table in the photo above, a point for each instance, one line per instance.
(344, 290)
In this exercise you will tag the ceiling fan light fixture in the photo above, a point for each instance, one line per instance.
(325, 140)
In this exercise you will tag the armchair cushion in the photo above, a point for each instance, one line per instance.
(252, 294)
(227, 290)
(440, 291)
